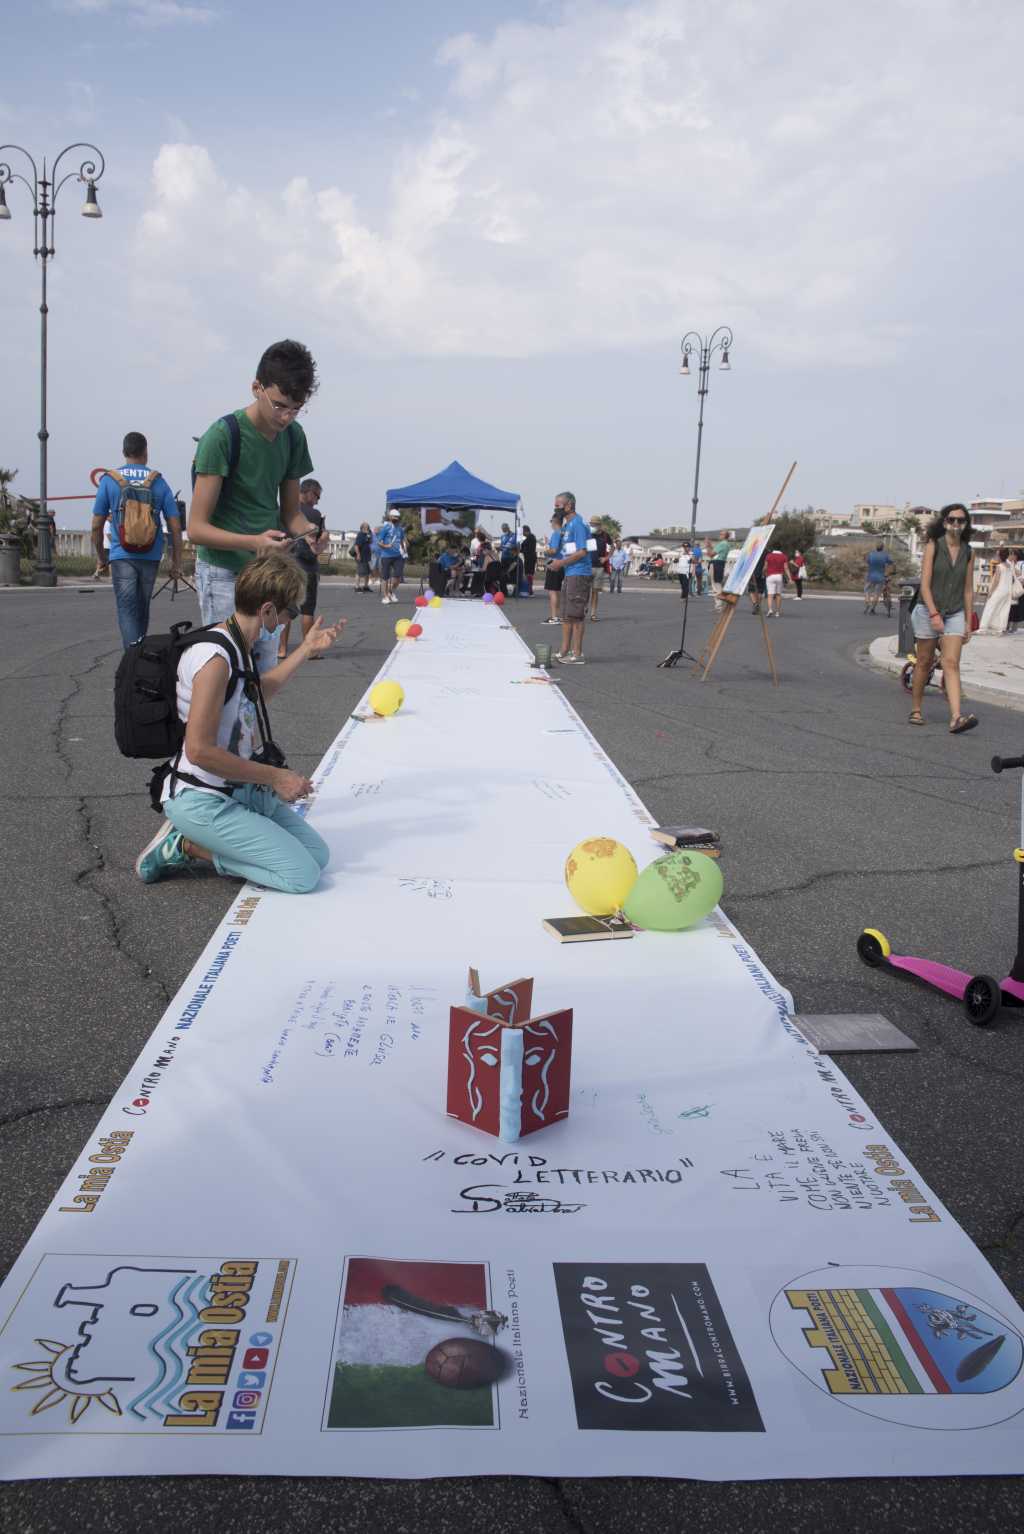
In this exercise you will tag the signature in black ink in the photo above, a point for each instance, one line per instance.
(482, 1201)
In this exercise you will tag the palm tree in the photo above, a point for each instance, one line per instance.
(14, 521)
(611, 527)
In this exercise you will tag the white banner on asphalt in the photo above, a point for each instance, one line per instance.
(278, 1255)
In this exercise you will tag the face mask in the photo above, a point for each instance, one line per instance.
(266, 635)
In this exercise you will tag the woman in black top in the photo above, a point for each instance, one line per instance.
(943, 611)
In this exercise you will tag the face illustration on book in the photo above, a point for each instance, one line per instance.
(542, 1049)
(481, 1050)
(508, 1072)
(515, 1079)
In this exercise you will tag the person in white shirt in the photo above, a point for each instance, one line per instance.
(224, 805)
(682, 569)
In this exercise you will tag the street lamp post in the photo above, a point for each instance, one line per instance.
(44, 189)
(702, 349)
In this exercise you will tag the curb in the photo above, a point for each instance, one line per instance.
(881, 655)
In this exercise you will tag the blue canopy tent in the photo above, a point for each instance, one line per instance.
(456, 487)
(455, 490)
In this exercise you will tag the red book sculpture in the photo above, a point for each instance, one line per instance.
(508, 1072)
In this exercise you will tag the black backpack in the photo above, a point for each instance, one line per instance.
(234, 450)
(146, 722)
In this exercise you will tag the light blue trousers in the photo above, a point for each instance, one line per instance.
(253, 835)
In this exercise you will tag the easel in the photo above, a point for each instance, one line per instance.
(731, 600)
(718, 633)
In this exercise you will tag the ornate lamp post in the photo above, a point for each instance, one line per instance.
(44, 189)
(702, 349)
(720, 340)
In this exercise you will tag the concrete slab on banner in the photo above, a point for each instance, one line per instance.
(848, 1032)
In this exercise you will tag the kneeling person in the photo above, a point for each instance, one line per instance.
(221, 806)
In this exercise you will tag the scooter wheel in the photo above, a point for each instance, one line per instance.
(907, 677)
(873, 947)
(982, 999)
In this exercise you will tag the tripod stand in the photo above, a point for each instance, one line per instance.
(174, 581)
(675, 656)
(719, 340)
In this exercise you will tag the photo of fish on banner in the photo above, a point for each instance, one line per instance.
(508, 1072)
(676, 891)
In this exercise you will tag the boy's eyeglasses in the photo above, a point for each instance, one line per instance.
(281, 409)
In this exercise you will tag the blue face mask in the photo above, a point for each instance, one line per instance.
(266, 635)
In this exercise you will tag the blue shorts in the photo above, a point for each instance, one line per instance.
(392, 568)
(952, 623)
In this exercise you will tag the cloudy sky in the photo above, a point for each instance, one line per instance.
(493, 222)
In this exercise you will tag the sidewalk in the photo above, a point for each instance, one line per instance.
(992, 666)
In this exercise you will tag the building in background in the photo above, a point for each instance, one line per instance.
(991, 519)
(878, 516)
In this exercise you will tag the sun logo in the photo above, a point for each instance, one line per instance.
(56, 1394)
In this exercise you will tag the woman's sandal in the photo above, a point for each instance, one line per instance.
(963, 722)
(916, 716)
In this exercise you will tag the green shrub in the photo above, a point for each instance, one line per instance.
(844, 570)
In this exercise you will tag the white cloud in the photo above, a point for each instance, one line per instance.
(609, 174)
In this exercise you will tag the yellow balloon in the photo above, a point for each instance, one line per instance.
(600, 873)
(402, 627)
(435, 601)
(386, 698)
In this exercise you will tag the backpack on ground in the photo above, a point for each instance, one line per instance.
(136, 516)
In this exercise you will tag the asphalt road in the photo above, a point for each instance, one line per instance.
(835, 815)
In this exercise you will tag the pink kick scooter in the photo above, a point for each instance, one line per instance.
(981, 995)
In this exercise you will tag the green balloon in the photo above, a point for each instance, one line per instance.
(674, 892)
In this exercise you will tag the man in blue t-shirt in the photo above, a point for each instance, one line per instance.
(878, 562)
(389, 542)
(574, 559)
(448, 561)
(133, 571)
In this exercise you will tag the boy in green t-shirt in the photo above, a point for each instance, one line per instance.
(231, 525)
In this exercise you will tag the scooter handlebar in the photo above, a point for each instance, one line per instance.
(1004, 763)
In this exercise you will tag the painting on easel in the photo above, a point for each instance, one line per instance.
(754, 546)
